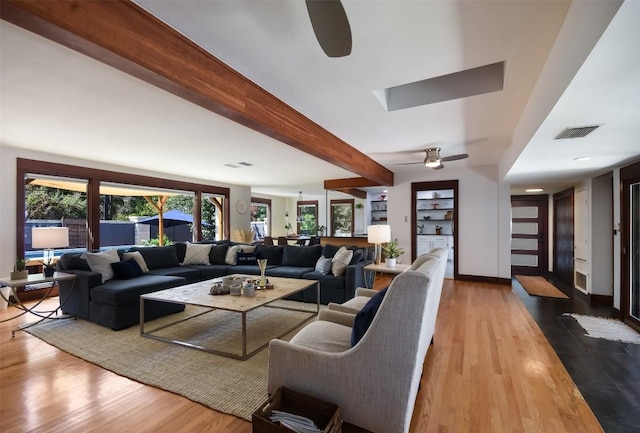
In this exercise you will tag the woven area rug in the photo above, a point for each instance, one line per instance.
(538, 286)
(608, 329)
(221, 383)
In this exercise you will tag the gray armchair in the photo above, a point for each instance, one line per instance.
(376, 381)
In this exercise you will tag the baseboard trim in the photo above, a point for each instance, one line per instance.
(481, 279)
(616, 313)
(601, 300)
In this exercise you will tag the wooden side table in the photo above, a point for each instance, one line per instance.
(372, 269)
(33, 309)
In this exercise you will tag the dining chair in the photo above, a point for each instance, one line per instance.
(267, 240)
(282, 240)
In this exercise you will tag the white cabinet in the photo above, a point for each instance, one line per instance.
(427, 242)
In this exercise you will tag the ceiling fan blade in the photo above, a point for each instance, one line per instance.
(331, 26)
(455, 157)
(438, 167)
(410, 163)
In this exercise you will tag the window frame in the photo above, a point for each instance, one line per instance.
(347, 201)
(94, 178)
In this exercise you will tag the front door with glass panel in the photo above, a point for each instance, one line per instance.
(529, 222)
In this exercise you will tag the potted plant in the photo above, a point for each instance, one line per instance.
(321, 230)
(49, 269)
(438, 230)
(20, 270)
(288, 228)
(391, 251)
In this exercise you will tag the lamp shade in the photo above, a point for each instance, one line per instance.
(378, 234)
(49, 237)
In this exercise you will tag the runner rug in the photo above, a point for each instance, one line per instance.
(608, 329)
(221, 383)
(538, 286)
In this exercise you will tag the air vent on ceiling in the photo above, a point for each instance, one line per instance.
(577, 132)
(232, 165)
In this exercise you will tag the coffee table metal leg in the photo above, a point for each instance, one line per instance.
(244, 335)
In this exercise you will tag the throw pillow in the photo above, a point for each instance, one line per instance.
(135, 255)
(323, 265)
(232, 254)
(340, 261)
(101, 263)
(160, 257)
(247, 259)
(330, 250)
(302, 257)
(248, 248)
(365, 317)
(357, 256)
(74, 261)
(218, 254)
(197, 254)
(126, 269)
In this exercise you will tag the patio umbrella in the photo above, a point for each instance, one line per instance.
(171, 218)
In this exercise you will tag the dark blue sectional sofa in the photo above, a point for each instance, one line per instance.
(116, 302)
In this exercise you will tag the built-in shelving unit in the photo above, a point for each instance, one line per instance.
(378, 211)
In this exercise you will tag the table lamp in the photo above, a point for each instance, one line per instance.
(49, 238)
(378, 235)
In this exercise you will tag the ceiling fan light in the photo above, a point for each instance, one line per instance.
(433, 157)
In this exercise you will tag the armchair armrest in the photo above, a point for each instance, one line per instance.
(339, 317)
(361, 291)
(342, 308)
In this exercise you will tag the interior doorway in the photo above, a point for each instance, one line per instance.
(563, 231)
(434, 220)
(630, 278)
(529, 235)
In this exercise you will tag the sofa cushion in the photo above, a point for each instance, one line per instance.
(324, 336)
(126, 269)
(208, 272)
(187, 272)
(305, 256)
(159, 257)
(326, 281)
(244, 269)
(121, 292)
(365, 317)
(340, 261)
(330, 250)
(273, 253)
(181, 250)
(101, 263)
(197, 254)
(217, 254)
(288, 271)
(138, 258)
(323, 265)
(74, 261)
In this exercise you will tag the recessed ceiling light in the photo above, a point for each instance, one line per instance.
(582, 158)
(534, 190)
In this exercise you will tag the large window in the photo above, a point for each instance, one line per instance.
(342, 218)
(103, 208)
(307, 218)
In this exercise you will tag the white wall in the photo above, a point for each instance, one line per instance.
(602, 235)
(8, 173)
(483, 217)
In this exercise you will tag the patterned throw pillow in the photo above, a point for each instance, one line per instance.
(340, 261)
(101, 263)
(197, 254)
(135, 255)
(323, 265)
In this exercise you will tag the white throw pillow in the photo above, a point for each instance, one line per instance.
(101, 263)
(323, 265)
(197, 254)
(232, 254)
(340, 261)
(135, 255)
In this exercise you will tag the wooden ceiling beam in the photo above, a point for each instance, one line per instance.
(123, 35)
(358, 193)
(351, 182)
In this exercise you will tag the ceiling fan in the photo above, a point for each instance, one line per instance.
(331, 26)
(433, 159)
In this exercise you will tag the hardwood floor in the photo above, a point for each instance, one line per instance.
(490, 370)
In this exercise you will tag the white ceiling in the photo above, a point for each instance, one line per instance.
(59, 101)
